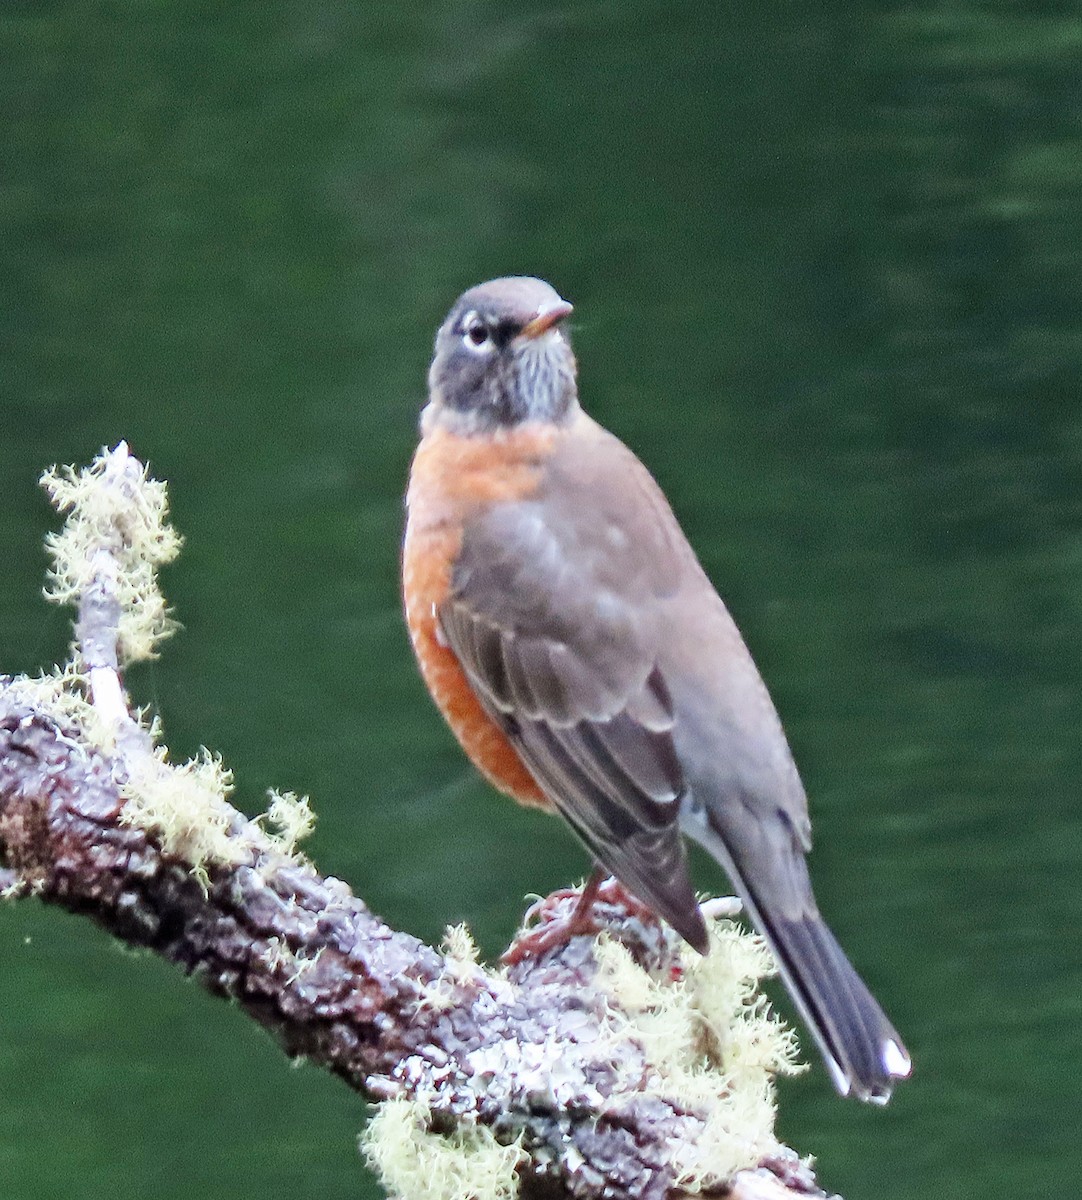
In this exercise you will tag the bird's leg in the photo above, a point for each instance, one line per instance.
(555, 929)
(582, 916)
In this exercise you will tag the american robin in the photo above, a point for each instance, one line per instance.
(587, 665)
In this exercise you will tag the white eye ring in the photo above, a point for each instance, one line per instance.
(476, 335)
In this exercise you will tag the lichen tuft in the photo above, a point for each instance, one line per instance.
(116, 519)
(712, 1043)
(414, 1163)
(291, 819)
(185, 806)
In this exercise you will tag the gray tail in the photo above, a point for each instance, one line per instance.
(860, 1046)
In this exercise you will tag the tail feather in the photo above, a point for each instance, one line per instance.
(861, 1047)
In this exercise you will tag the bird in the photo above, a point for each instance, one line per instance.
(585, 662)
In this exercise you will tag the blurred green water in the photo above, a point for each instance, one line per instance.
(827, 273)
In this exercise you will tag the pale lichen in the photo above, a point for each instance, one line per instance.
(290, 818)
(185, 806)
(460, 951)
(461, 966)
(712, 1043)
(63, 694)
(276, 956)
(114, 508)
(416, 1164)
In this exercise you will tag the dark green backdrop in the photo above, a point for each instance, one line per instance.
(827, 268)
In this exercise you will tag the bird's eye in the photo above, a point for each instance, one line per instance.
(477, 336)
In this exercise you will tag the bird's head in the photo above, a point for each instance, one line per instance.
(502, 358)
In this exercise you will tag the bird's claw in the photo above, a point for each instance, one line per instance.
(548, 925)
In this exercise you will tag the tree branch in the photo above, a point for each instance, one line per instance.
(621, 1067)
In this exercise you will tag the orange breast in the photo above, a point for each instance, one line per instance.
(451, 478)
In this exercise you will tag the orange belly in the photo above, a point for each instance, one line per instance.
(439, 498)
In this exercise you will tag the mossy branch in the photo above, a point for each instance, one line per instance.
(624, 1066)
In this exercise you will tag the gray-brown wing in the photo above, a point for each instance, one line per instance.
(553, 614)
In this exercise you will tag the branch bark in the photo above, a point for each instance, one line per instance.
(541, 1061)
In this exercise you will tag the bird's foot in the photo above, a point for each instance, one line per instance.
(574, 912)
(548, 923)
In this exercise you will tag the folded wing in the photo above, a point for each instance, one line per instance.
(553, 615)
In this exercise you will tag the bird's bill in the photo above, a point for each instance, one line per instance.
(546, 318)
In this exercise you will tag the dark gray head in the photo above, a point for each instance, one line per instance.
(501, 358)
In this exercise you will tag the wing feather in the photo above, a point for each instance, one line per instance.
(555, 622)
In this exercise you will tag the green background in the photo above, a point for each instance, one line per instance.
(827, 268)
